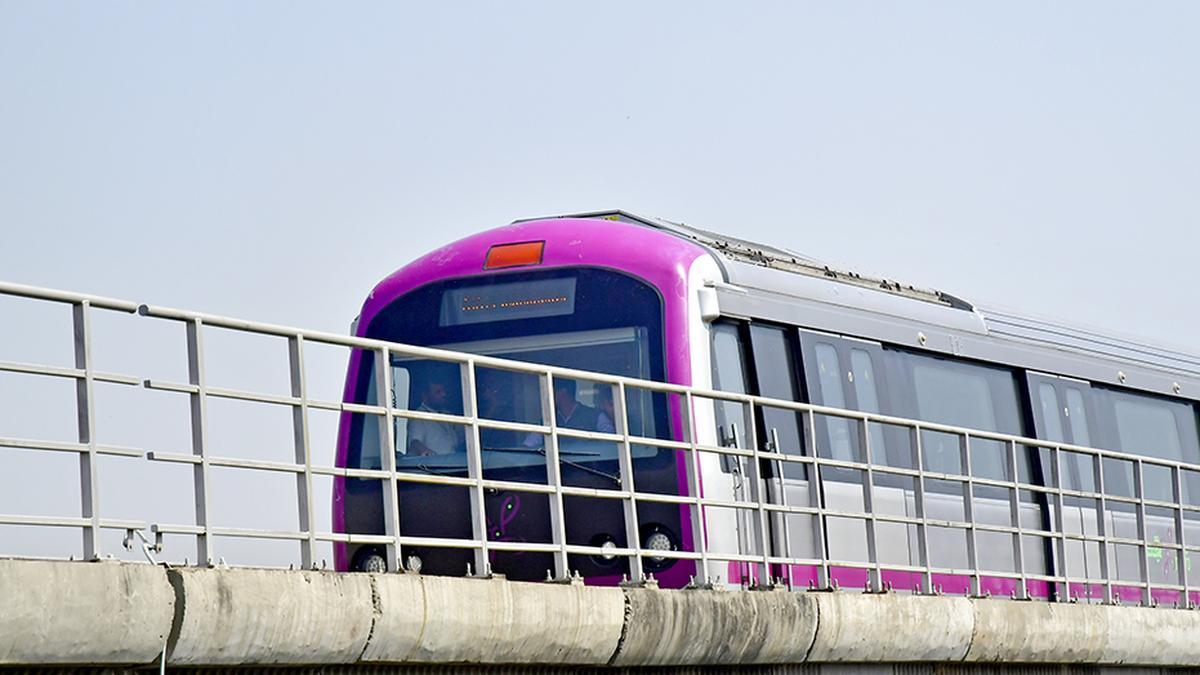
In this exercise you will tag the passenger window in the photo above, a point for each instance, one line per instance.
(775, 370)
(832, 395)
(1150, 426)
(1078, 417)
(959, 394)
(864, 380)
(955, 397)
(866, 391)
(728, 371)
(729, 374)
(1053, 425)
(1147, 429)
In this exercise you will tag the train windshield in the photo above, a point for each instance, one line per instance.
(593, 320)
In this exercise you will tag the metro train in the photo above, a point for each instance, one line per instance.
(620, 294)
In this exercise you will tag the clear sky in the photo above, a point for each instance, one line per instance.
(273, 160)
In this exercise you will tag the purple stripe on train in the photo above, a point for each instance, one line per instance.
(803, 576)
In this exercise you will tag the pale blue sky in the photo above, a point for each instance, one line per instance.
(273, 160)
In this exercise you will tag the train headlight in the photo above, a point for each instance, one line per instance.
(373, 563)
(608, 547)
(607, 544)
(657, 541)
(413, 563)
(657, 537)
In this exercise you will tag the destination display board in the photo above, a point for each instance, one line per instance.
(508, 302)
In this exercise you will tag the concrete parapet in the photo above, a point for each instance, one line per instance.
(865, 627)
(399, 609)
(83, 612)
(1008, 631)
(255, 616)
(1145, 636)
(693, 627)
(448, 620)
(119, 613)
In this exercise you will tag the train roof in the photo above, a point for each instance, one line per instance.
(780, 271)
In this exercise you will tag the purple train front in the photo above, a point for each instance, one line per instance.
(587, 294)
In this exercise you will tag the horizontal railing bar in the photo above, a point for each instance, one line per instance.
(69, 521)
(435, 542)
(336, 537)
(232, 532)
(226, 462)
(97, 301)
(64, 372)
(65, 446)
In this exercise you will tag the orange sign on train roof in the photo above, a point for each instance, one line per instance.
(523, 254)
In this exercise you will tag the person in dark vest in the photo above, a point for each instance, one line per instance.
(569, 413)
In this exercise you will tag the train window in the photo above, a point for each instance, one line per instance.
(1149, 429)
(775, 371)
(839, 430)
(1151, 426)
(865, 383)
(1048, 398)
(960, 394)
(729, 371)
(607, 322)
(729, 374)
(864, 380)
(1076, 411)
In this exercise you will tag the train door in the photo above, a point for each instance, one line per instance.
(730, 530)
(760, 359)
(849, 373)
(775, 375)
(1063, 412)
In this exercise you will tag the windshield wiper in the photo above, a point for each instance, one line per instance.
(576, 465)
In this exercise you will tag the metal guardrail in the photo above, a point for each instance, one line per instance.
(765, 565)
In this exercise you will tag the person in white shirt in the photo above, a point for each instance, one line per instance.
(427, 437)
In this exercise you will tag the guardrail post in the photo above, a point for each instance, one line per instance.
(758, 490)
(475, 470)
(1177, 488)
(1143, 552)
(85, 408)
(1102, 525)
(387, 435)
(968, 493)
(625, 464)
(1064, 571)
(874, 574)
(692, 459)
(1014, 515)
(300, 435)
(817, 501)
(199, 423)
(558, 531)
(919, 507)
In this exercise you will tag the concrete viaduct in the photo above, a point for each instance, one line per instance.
(128, 615)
